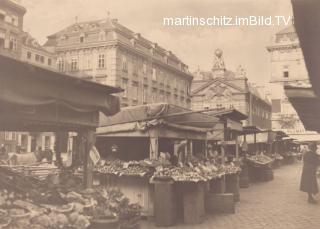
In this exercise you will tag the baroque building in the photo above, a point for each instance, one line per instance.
(224, 89)
(288, 67)
(109, 53)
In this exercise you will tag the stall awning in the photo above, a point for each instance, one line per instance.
(228, 113)
(168, 112)
(250, 130)
(307, 24)
(30, 94)
(144, 117)
(307, 105)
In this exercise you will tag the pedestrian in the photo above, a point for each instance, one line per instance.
(308, 178)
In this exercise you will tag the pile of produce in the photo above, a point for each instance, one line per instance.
(180, 174)
(231, 169)
(277, 157)
(24, 213)
(121, 168)
(260, 159)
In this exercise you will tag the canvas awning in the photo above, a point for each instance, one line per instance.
(144, 117)
(232, 114)
(30, 96)
(168, 112)
(307, 105)
(305, 99)
(307, 24)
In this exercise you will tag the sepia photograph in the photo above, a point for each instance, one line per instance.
(146, 114)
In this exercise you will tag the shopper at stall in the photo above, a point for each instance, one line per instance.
(3, 152)
(309, 179)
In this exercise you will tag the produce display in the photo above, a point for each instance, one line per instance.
(81, 209)
(260, 159)
(277, 157)
(121, 168)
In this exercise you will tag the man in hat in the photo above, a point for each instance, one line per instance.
(309, 178)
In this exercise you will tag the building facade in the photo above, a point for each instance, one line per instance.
(223, 89)
(109, 53)
(33, 53)
(286, 58)
(11, 25)
(288, 67)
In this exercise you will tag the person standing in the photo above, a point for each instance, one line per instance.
(308, 182)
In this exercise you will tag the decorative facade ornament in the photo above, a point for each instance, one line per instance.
(218, 63)
(241, 72)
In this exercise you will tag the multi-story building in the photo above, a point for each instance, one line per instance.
(221, 88)
(107, 52)
(288, 67)
(11, 24)
(287, 62)
(33, 53)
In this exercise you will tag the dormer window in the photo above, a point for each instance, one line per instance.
(81, 39)
(102, 36)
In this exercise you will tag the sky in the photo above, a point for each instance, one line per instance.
(245, 46)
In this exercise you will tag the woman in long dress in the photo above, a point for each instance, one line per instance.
(309, 182)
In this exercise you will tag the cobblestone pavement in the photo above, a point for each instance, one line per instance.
(277, 204)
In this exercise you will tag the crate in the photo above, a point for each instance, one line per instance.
(232, 186)
(193, 203)
(165, 203)
(218, 185)
(220, 203)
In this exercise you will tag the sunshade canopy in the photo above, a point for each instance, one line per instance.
(36, 99)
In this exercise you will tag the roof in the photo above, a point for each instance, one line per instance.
(229, 113)
(170, 114)
(251, 130)
(24, 84)
(207, 83)
(31, 42)
(288, 29)
(108, 24)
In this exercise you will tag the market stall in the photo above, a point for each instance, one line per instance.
(169, 145)
(49, 102)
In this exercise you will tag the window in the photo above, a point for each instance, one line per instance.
(102, 35)
(144, 68)
(81, 39)
(49, 61)
(13, 43)
(154, 95)
(2, 16)
(124, 64)
(42, 59)
(9, 136)
(125, 88)
(60, 64)
(135, 90)
(74, 64)
(154, 74)
(285, 74)
(145, 94)
(29, 55)
(101, 61)
(37, 57)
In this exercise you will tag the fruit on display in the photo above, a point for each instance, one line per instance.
(121, 168)
(260, 159)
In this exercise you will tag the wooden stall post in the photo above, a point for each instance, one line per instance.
(88, 166)
(237, 146)
(154, 148)
(255, 143)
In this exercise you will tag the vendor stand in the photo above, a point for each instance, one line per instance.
(229, 143)
(258, 161)
(172, 143)
(36, 99)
